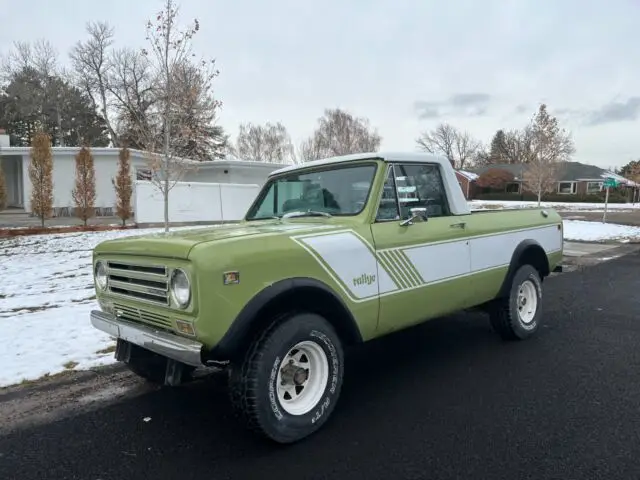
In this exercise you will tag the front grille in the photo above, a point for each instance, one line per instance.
(149, 283)
(140, 316)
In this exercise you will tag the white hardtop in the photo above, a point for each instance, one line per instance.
(457, 202)
(385, 156)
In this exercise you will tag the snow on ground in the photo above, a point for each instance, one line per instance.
(560, 206)
(599, 232)
(47, 292)
(46, 295)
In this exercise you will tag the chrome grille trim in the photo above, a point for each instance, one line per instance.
(147, 283)
(141, 316)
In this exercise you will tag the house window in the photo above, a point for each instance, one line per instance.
(567, 187)
(594, 187)
(143, 174)
(513, 187)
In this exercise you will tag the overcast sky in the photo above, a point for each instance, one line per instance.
(406, 65)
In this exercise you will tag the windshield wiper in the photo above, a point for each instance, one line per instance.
(308, 213)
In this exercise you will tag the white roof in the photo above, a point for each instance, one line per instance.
(230, 161)
(619, 178)
(469, 175)
(385, 156)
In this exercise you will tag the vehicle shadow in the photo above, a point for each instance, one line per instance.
(392, 385)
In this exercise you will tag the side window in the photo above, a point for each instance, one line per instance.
(421, 186)
(388, 208)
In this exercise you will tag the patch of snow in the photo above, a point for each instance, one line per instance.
(46, 295)
(563, 206)
(599, 232)
(469, 175)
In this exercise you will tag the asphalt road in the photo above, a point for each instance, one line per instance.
(444, 400)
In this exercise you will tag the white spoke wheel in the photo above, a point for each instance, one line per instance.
(516, 316)
(302, 378)
(290, 380)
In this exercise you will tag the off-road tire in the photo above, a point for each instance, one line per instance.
(504, 312)
(253, 381)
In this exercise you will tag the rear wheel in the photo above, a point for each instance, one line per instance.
(517, 316)
(289, 382)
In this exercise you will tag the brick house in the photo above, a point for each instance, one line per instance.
(575, 179)
(467, 182)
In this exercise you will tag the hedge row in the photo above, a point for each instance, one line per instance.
(614, 197)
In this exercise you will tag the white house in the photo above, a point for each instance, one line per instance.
(15, 164)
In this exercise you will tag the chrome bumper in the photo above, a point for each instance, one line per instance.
(165, 344)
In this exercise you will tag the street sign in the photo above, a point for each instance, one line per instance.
(609, 182)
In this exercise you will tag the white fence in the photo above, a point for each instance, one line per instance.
(193, 202)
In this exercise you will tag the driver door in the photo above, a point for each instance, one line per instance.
(428, 259)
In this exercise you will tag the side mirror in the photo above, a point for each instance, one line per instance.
(418, 214)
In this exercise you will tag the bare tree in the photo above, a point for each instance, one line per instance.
(459, 147)
(517, 145)
(439, 141)
(550, 148)
(39, 55)
(264, 143)
(171, 119)
(465, 149)
(132, 85)
(84, 192)
(340, 133)
(310, 149)
(93, 67)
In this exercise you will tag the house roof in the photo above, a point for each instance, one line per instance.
(570, 172)
(110, 151)
(468, 175)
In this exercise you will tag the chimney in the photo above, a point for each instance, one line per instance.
(4, 139)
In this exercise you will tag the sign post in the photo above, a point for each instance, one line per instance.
(608, 183)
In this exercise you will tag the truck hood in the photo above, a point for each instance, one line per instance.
(178, 244)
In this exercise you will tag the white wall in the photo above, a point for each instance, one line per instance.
(64, 174)
(226, 172)
(193, 202)
(106, 166)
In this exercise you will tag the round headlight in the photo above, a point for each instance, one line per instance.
(101, 275)
(180, 288)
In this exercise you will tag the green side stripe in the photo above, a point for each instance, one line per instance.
(402, 268)
(392, 269)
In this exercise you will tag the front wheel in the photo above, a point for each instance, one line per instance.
(517, 316)
(289, 382)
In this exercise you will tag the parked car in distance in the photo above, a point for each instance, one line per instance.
(331, 254)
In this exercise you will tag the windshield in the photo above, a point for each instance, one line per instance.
(335, 191)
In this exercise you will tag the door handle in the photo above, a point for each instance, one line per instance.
(458, 225)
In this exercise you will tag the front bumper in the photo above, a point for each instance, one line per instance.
(171, 346)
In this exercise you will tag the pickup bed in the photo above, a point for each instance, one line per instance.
(331, 253)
